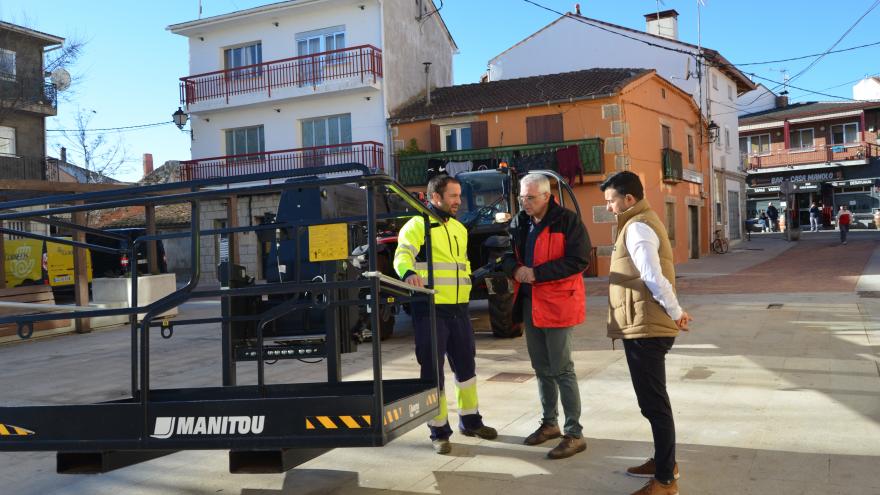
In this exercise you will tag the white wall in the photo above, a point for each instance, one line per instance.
(206, 44)
(282, 130)
(756, 100)
(408, 43)
(867, 89)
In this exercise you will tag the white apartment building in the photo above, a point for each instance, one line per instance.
(574, 42)
(301, 83)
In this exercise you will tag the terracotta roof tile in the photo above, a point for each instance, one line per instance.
(515, 93)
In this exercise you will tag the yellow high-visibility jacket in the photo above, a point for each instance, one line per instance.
(452, 270)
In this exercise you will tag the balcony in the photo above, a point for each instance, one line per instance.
(413, 169)
(672, 169)
(28, 94)
(856, 153)
(369, 153)
(26, 168)
(334, 70)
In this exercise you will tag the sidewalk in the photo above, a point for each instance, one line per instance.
(767, 401)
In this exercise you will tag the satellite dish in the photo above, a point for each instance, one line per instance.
(60, 79)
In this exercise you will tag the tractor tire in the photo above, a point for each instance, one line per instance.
(501, 317)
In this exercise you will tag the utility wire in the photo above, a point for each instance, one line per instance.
(813, 55)
(107, 129)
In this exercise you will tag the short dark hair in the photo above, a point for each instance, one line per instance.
(438, 184)
(625, 183)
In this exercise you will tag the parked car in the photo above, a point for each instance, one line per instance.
(116, 265)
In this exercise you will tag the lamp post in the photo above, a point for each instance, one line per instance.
(180, 118)
(713, 131)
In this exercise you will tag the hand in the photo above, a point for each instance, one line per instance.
(415, 281)
(524, 275)
(682, 322)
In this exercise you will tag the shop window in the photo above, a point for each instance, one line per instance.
(845, 134)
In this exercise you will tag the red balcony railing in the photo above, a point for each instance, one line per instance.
(369, 153)
(818, 154)
(363, 61)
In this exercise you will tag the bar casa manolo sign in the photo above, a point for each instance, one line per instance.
(814, 177)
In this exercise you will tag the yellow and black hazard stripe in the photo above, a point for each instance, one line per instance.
(338, 422)
(13, 431)
(392, 415)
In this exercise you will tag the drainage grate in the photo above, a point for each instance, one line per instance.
(774, 306)
(512, 377)
(872, 294)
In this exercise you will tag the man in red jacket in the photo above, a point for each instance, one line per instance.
(550, 252)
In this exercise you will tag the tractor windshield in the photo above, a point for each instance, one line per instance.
(483, 194)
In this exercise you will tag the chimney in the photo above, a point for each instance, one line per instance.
(782, 101)
(577, 9)
(663, 24)
(63, 154)
(427, 83)
(148, 164)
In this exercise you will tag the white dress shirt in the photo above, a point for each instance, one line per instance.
(644, 249)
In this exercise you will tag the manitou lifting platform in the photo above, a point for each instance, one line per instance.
(267, 427)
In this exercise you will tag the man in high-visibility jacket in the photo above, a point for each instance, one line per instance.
(452, 283)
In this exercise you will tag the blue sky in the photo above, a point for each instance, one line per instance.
(130, 69)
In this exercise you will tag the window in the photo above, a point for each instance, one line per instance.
(243, 56)
(325, 131)
(7, 140)
(670, 221)
(845, 133)
(245, 140)
(324, 40)
(755, 145)
(691, 153)
(730, 92)
(663, 93)
(801, 139)
(715, 81)
(456, 137)
(7, 64)
(665, 137)
(544, 129)
(726, 137)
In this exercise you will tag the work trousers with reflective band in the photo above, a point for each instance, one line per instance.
(550, 354)
(455, 341)
(646, 359)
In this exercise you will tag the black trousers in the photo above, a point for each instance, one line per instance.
(646, 359)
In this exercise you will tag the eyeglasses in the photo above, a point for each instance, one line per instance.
(529, 199)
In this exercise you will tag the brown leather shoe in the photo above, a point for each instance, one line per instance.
(648, 470)
(542, 434)
(654, 487)
(568, 447)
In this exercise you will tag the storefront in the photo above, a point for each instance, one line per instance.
(856, 187)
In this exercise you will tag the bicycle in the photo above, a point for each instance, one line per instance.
(720, 244)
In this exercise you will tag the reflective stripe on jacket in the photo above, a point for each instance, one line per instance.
(452, 270)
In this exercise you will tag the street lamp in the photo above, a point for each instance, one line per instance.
(713, 131)
(179, 117)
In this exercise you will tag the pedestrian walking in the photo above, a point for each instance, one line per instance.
(773, 214)
(645, 313)
(551, 250)
(814, 217)
(844, 219)
(452, 283)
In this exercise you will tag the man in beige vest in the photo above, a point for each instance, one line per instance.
(643, 311)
